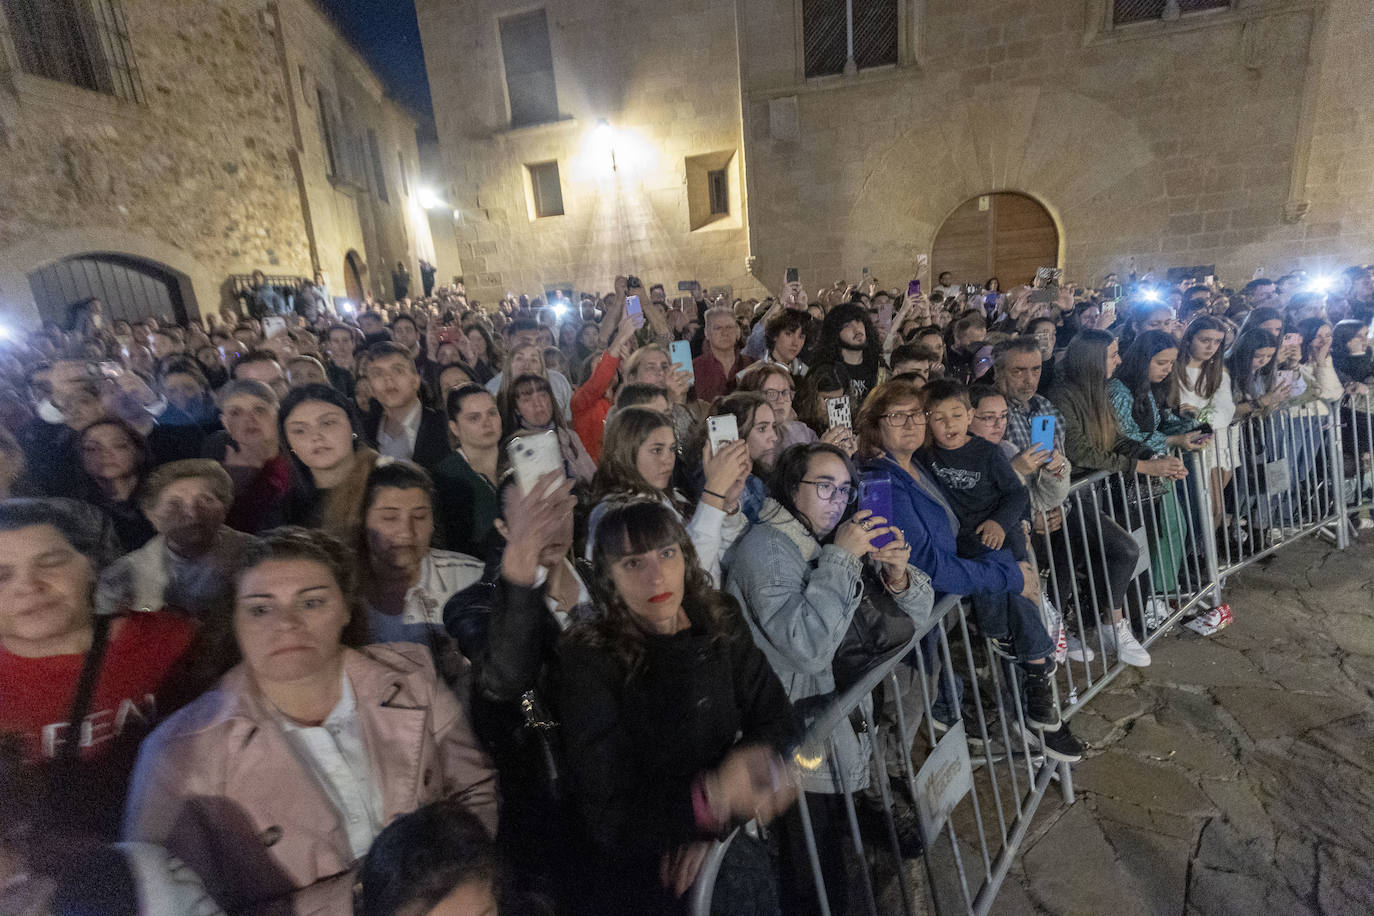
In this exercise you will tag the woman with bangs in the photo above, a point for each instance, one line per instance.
(528, 359)
(528, 406)
(673, 723)
(639, 459)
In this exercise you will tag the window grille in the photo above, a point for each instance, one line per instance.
(1125, 12)
(81, 42)
(849, 35)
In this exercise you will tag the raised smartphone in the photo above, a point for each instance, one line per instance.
(837, 410)
(680, 353)
(634, 310)
(721, 430)
(534, 455)
(1042, 433)
(875, 495)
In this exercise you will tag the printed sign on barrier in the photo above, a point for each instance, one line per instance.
(945, 778)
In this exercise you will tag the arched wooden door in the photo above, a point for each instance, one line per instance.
(1003, 235)
(353, 276)
(130, 287)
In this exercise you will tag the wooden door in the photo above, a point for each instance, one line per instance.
(996, 235)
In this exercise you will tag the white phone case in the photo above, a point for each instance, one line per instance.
(720, 430)
(533, 456)
(838, 411)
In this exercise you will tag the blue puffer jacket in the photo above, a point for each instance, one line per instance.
(930, 528)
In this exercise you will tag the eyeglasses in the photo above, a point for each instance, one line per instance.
(904, 419)
(828, 491)
(778, 394)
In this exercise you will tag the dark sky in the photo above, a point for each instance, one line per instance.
(388, 35)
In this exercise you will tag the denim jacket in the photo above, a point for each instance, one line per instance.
(799, 599)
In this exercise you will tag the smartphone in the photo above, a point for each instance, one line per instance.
(634, 310)
(913, 289)
(837, 409)
(680, 352)
(721, 430)
(885, 315)
(865, 275)
(450, 334)
(875, 495)
(793, 276)
(1042, 432)
(684, 286)
(534, 455)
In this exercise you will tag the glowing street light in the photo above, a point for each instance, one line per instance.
(604, 135)
(427, 199)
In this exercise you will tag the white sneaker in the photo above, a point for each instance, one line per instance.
(1127, 648)
(1157, 611)
(1076, 650)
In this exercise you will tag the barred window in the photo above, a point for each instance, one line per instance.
(845, 36)
(81, 42)
(1125, 12)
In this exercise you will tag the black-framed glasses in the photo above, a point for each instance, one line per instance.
(904, 419)
(828, 491)
(778, 394)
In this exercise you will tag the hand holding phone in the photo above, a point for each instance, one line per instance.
(634, 310)
(875, 495)
(1042, 433)
(837, 411)
(680, 352)
(534, 455)
(721, 430)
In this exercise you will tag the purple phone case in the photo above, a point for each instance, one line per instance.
(875, 495)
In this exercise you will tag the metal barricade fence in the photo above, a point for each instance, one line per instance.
(971, 799)
(1125, 547)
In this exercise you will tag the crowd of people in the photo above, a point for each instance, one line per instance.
(441, 608)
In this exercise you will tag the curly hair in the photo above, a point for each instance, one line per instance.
(634, 526)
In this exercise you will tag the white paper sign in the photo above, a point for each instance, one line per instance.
(944, 779)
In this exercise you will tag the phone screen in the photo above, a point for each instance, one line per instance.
(792, 275)
(634, 310)
(913, 289)
(875, 495)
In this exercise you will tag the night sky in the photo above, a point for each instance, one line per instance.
(388, 35)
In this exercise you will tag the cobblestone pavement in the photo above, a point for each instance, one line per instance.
(1235, 775)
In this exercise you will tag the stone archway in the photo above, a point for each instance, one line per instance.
(1005, 235)
(354, 273)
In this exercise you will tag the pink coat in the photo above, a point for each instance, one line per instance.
(220, 787)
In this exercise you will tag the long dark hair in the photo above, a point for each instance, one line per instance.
(1309, 328)
(791, 469)
(638, 526)
(339, 514)
(1083, 375)
(828, 349)
(618, 471)
(1147, 398)
(1246, 384)
(1209, 376)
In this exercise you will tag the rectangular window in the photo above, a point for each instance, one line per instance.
(830, 33)
(378, 177)
(405, 179)
(327, 134)
(546, 189)
(1125, 12)
(718, 183)
(81, 42)
(529, 69)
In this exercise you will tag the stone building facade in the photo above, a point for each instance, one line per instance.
(1228, 132)
(191, 148)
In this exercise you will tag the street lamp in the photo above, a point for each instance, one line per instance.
(427, 199)
(605, 137)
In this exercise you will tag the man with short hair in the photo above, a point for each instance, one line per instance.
(262, 366)
(1361, 299)
(263, 299)
(373, 328)
(404, 428)
(720, 362)
(305, 370)
(966, 337)
(947, 287)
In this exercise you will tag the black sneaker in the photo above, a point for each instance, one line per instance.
(1041, 709)
(1062, 745)
(873, 824)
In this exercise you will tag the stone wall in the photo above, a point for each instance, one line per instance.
(665, 79)
(211, 174)
(1168, 144)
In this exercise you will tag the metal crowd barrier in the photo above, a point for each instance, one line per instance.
(1263, 483)
(975, 792)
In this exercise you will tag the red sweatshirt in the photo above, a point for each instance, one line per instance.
(590, 405)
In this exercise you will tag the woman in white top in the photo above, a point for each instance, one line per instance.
(1204, 391)
(638, 458)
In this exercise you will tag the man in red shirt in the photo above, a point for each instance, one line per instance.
(720, 360)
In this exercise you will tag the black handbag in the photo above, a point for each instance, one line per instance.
(879, 626)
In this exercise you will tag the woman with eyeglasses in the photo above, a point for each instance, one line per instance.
(775, 383)
(800, 576)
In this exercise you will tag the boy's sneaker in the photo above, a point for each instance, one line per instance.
(1077, 650)
(1041, 709)
(1060, 745)
(1118, 638)
(1214, 620)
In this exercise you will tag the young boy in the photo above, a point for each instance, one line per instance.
(990, 503)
